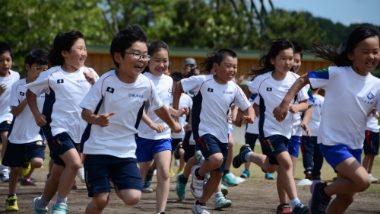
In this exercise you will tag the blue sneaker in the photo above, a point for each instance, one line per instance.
(221, 202)
(269, 176)
(240, 158)
(59, 209)
(229, 180)
(35, 208)
(180, 189)
(300, 209)
(224, 190)
(245, 174)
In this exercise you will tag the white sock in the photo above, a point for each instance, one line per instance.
(202, 160)
(218, 194)
(247, 156)
(294, 202)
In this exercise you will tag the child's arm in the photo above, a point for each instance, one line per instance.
(164, 115)
(16, 110)
(32, 102)
(250, 115)
(188, 126)
(306, 119)
(100, 120)
(300, 107)
(3, 87)
(177, 94)
(154, 126)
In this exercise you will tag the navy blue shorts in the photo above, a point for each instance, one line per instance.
(251, 139)
(175, 142)
(100, 169)
(371, 143)
(147, 148)
(209, 145)
(60, 144)
(334, 155)
(294, 146)
(17, 154)
(5, 125)
(274, 145)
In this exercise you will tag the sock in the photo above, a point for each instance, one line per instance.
(198, 176)
(323, 193)
(202, 204)
(202, 160)
(294, 202)
(61, 200)
(226, 171)
(42, 204)
(182, 179)
(218, 194)
(247, 156)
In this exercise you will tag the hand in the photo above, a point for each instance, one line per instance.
(305, 127)
(293, 108)
(280, 112)
(104, 119)
(3, 87)
(248, 119)
(182, 111)
(239, 119)
(230, 117)
(40, 119)
(159, 128)
(187, 127)
(240, 79)
(177, 128)
(89, 77)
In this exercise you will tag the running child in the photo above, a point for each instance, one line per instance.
(371, 143)
(349, 86)
(65, 84)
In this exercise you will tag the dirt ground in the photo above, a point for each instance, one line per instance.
(255, 195)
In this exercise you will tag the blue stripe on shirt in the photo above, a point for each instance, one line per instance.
(319, 74)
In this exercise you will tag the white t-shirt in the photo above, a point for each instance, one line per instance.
(5, 109)
(24, 129)
(127, 101)
(184, 101)
(163, 85)
(316, 115)
(68, 91)
(297, 119)
(349, 98)
(271, 93)
(253, 128)
(373, 123)
(211, 105)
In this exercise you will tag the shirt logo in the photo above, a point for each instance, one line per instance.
(269, 89)
(135, 95)
(22, 93)
(111, 90)
(210, 90)
(370, 96)
(60, 81)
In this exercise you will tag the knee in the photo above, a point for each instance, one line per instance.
(74, 166)
(345, 199)
(101, 202)
(216, 160)
(364, 184)
(286, 165)
(132, 199)
(37, 163)
(163, 173)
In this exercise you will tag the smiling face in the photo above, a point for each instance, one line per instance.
(227, 69)
(365, 56)
(297, 62)
(5, 64)
(77, 55)
(283, 61)
(159, 62)
(128, 64)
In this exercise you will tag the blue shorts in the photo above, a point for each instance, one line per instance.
(251, 139)
(371, 143)
(209, 145)
(147, 148)
(17, 154)
(100, 169)
(334, 155)
(60, 144)
(294, 146)
(5, 125)
(274, 145)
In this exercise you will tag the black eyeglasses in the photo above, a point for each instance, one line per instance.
(138, 56)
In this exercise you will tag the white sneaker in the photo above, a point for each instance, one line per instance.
(80, 174)
(373, 179)
(196, 187)
(199, 209)
(4, 175)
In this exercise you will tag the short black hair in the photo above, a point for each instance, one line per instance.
(298, 49)
(38, 56)
(176, 76)
(5, 47)
(63, 42)
(125, 38)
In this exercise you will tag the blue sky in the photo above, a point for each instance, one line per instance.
(344, 11)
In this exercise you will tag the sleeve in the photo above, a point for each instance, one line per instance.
(41, 84)
(93, 97)
(241, 100)
(154, 100)
(257, 100)
(13, 101)
(253, 85)
(303, 94)
(193, 83)
(96, 76)
(320, 78)
(190, 102)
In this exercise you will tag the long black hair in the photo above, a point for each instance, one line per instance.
(334, 54)
(216, 57)
(63, 42)
(276, 46)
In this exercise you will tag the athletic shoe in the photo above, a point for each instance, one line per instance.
(318, 203)
(27, 182)
(199, 209)
(284, 209)
(301, 209)
(373, 179)
(180, 189)
(196, 187)
(245, 174)
(240, 158)
(61, 208)
(74, 186)
(4, 174)
(80, 175)
(148, 179)
(269, 176)
(309, 175)
(224, 190)
(35, 208)
(199, 157)
(229, 180)
(25, 169)
(11, 203)
(171, 173)
(147, 190)
(316, 178)
(221, 202)
(179, 172)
